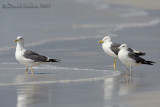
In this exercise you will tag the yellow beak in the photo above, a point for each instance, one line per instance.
(100, 41)
(16, 40)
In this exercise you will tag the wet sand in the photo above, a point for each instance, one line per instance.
(56, 86)
(70, 31)
(146, 99)
(145, 4)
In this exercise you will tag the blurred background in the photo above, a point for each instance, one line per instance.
(70, 30)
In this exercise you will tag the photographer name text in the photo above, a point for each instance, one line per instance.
(26, 5)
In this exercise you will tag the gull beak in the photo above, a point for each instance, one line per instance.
(100, 41)
(16, 40)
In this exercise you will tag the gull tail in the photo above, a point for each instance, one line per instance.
(148, 62)
(54, 60)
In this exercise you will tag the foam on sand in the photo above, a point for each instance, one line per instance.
(53, 75)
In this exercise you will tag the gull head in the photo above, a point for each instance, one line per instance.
(105, 39)
(19, 39)
(123, 46)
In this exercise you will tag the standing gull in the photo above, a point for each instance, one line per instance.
(111, 48)
(130, 59)
(29, 58)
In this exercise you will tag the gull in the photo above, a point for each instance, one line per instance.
(130, 59)
(111, 48)
(29, 58)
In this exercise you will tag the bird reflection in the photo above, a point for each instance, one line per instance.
(127, 84)
(22, 97)
(117, 86)
(30, 94)
(44, 95)
(110, 88)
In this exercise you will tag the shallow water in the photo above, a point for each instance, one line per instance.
(70, 31)
(57, 86)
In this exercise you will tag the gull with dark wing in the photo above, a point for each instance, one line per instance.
(29, 58)
(111, 48)
(130, 59)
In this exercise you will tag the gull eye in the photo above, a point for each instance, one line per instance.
(122, 46)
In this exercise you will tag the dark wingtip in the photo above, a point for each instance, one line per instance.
(141, 54)
(149, 62)
(54, 60)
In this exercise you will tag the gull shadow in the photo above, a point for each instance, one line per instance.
(44, 73)
(40, 73)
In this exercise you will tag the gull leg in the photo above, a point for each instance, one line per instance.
(32, 70)
(115, 60)
(127, 72)
(127, 80)
(130, 71)
(27, 70)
